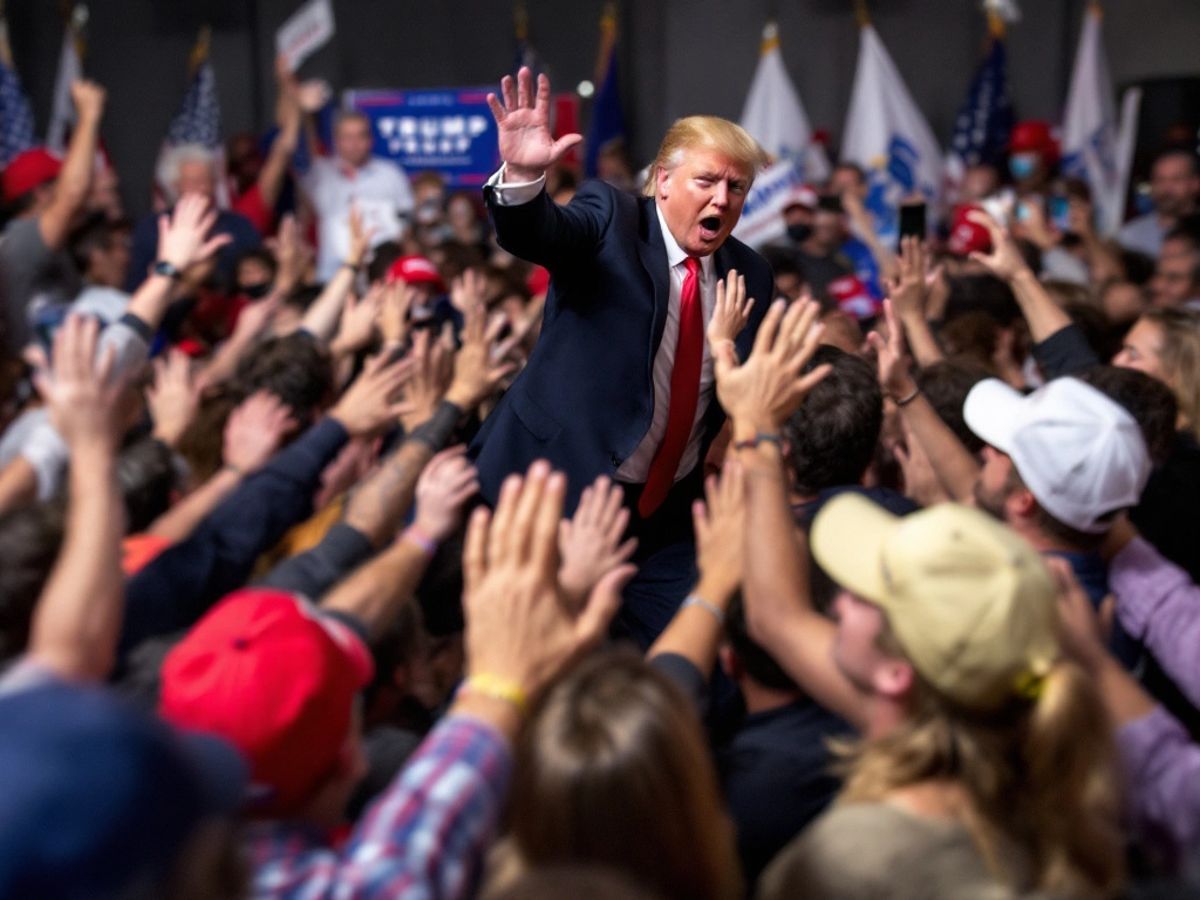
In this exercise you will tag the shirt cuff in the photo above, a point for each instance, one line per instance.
(514, 193)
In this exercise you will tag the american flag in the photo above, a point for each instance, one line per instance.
(16, 116)
(982, 127)
(199, 119)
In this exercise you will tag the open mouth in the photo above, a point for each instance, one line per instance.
(710, 227)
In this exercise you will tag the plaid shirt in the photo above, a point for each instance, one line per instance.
(423, 837)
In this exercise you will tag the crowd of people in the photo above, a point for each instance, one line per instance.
(363, 538)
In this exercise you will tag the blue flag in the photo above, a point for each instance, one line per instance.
(983, 124)
(608, 118)
(16, 117)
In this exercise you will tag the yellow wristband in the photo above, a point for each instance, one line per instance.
(487, 685)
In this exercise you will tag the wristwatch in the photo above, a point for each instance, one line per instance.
(166, 269)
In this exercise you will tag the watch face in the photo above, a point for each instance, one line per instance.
(162, 267)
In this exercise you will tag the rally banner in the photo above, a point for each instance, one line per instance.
(450, 131)
(762, 214)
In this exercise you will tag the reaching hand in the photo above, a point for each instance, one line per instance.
(369, 403)
(763, 392)
(1005, 260)
(183, 239)
(173, 398)
(908, 289)
(518, 628)
(468, 291)
(88, 98)
(590, 544)
(356, 328)
(398, 297)
(290, 255)
(895, 375)
(83, 396)
(255, 431)
(475, 373)
(432, 362)
(526, 144)
(449, 481)
(720, 532)
(731, 312)
(360, 238)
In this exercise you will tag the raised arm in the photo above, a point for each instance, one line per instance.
(78, 616)
(908, 292)
(75, 179)
(759, 397)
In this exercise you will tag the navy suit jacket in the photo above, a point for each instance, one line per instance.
(586, 397)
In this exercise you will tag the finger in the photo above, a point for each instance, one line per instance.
(741, 290)
(548, 513)
(564, 144)
(583, 512)
(813, 378)
(524, 88)
(475, 552)
(500, 535)
(765, 339)
(521, 541)
(497, 110)
(700, 521)
(543, 94)
(602, 604)
(626, 550)
(720, 298)
(509, 89)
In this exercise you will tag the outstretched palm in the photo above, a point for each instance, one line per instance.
(526, 144)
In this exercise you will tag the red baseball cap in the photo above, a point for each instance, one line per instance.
(852, 297)
(1033, 136)
(266, 671)
(29, 170)
(967, 237)
(416, 270)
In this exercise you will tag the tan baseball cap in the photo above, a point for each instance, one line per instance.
(971, 603)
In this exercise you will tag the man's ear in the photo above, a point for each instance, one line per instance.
(893, 678)
(1021, 503)
(661, 177)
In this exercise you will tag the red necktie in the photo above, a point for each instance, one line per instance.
(685, 393)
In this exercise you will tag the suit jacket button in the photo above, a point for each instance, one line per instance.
(616, 461)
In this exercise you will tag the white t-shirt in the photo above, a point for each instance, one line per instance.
(379, 190)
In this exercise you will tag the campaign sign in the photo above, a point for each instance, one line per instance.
(450, 131)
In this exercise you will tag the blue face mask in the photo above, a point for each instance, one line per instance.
(1022, 165)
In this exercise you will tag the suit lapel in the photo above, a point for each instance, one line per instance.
(653, 255)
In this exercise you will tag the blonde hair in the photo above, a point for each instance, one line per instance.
(711, 132)
(1180, 359)
(613, 769)
(1041, 775)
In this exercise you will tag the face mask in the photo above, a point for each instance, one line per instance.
(1023, 165)
(257, 291)
(799, 233)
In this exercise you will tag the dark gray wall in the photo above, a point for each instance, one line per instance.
(678, 56)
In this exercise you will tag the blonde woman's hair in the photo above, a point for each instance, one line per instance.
(710, 132)
(1180, 355)
(612, 769)
(1041, 774)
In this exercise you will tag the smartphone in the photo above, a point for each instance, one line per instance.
(912, 220)
(1059, 210)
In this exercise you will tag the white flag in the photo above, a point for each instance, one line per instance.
(888, 137)
(775, 117)
(62, 117)
(762, 213)
(1090, 126)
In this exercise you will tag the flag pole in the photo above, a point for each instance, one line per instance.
(521, 20)
(199, 54)
(861, 13)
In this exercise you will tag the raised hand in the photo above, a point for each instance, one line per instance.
(526, 144)
(731, 312)
(254, 432)
(1005, 260)
(448, 481)
(763, 392)
(356, 328)
(719, 523)
(468, 290)
(432, 366)
(590, 544)
(173, 398)
(398, 297)
(183, 238)
(895, 368)
(289, 254)
(370, 403)
(476, 373)
(360, 238)
(908, 289)
(519, 630)
(83, 396)
(88, 99)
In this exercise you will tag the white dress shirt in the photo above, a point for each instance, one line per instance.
(636, 468)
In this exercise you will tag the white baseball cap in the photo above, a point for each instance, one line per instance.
(1079, 452)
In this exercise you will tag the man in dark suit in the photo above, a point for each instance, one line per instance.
(621, 381)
